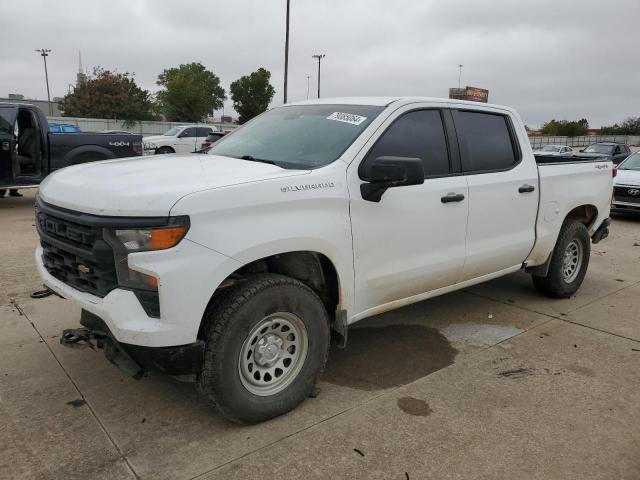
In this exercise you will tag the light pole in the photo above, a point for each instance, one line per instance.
(307, 87)
(460, 75)
(44, 52)
(319, 57)
(286, 56)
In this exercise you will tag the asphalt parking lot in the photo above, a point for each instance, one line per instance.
(492, 382)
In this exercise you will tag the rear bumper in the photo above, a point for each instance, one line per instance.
(135, 360)
(625, 206)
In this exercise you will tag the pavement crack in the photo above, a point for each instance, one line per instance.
(82, 397)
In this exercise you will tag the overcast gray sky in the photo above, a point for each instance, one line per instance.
(549, 59)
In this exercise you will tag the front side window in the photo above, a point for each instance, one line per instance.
(188, 132)
(418, 134)
(298, 136)
(204, 131)
(485, 141)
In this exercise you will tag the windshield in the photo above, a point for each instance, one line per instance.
(173, 132)
(298, 136)
(631, 163)
(608, 149)
(550, 148)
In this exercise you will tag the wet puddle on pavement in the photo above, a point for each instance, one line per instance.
(377, 358)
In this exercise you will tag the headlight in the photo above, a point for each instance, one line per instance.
(132, 240)
(149, 146)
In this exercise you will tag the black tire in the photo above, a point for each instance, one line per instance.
(230, 321)
(163, 150)
(555, 284)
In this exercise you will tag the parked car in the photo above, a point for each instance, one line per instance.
(555, 150)
(183, 139)
(626, 185)
(616, 152)
(29, 151)
(235, 265)
(212, 138)
(63, 128)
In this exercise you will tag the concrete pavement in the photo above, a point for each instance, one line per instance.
(492, 382)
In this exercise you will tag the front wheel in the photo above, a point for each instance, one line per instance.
(164, 150)
(569, 262)
(267, 342)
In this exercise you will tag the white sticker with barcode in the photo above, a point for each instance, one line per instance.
(347, 118)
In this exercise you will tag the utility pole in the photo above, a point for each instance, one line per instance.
(286, 56)
(308, 87)
(460, 76)
(44, 53)
(319, 57)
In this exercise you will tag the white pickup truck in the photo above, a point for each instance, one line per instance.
(182, 139)
(233, 267)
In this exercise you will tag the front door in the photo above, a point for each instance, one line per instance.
(413, 240)
(187, 140)
(503, 191)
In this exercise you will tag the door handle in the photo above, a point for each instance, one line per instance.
(526, 188)
(452, 197)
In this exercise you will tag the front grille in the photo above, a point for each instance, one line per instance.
(75, 253)
(626, 194)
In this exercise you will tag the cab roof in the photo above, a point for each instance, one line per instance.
(386, 101)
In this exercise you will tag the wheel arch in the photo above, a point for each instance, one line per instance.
(586, 214)
(314, 269)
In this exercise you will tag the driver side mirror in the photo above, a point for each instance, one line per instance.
(388, 172)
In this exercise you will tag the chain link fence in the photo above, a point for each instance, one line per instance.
(583, 141)
(143, 128)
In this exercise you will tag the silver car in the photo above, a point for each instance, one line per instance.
(626, 185)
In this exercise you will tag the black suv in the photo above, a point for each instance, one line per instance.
(616, 152)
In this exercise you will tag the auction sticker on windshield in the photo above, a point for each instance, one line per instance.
(347, 118)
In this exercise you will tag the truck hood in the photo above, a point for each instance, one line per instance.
(149, 186)
(158, 138)
(627, 177)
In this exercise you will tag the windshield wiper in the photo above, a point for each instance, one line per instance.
(261, 160)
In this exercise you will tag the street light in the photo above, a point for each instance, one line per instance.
(308, 86)
(319, 57)
(286, 55)
(44, 53)
(460, 75)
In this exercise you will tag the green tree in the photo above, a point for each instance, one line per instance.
(566, 128)
(251, 94)
(190, 93)
(107, 94)
(631, 126)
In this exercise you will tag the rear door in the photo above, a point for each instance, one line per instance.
(412, 241)
(503, 191)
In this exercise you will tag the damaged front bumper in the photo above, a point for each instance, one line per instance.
(135, 360)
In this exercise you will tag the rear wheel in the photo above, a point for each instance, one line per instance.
(267, 342)
(569, 262)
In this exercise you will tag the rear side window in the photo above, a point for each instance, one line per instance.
(204, 131)
(418, 134)
(485, 141)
